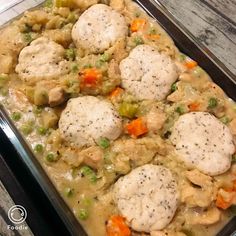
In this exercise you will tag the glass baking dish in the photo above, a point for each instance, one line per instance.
(184, 40)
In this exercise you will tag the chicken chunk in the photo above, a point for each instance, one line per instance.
(201, 196)
(92, 156)
(155, 119)
(208, 217)
(56, 96)
(117, 5)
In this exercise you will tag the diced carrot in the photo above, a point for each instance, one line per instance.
(137, 24)
(152, 36)
(221, 202)
(137, 127)
(190, 64)
(194, 106)
(116, 226)
(117, 91)
(90, 77)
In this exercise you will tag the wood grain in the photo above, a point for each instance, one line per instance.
(212, 22)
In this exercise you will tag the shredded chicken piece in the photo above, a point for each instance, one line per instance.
(56, 96)
(208, 217)
(195, 196)
(92, 156)
(117, 5)
(118, 51)
(155, 119)
(113, 70)
(232, 126)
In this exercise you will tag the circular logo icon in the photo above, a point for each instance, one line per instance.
(17, 214)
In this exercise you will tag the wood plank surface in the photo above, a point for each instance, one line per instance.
(212, 22)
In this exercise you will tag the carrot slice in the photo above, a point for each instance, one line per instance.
(116, 226)
(222, 203)
(194, 106)
(190, 64)
(137, 24)
(90, 76)
(117, 91)
(137, 127)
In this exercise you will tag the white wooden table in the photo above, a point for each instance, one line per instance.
(213, 22)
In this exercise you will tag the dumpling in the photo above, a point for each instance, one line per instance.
(98, 28)
(43, 59)
(147, 197)
(148, 74)
(87, 119)
(203, 142)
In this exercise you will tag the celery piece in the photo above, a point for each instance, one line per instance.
(128, 110)
(16, 116)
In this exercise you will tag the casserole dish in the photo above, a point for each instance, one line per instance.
(184, 42)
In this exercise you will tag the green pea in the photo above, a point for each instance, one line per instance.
(28, 37)
(4, 79)
(37, 110)
(42, 130)
(198, 71)
(180, 110)
(89, 65)
(225, 120)
(152, 30)
(86, 202)
(212, 103)
(16, 116)
(93, 178)
(89, 173)
(26, 129)
(234, 158)
(51, 157)
(86, 170)
(4, 91)
(72, 17)
(74, 68)
(104, 143)
(138, 41)
(137, 14)
(48, 4)
(174, 87)
(83, 214)
(69, 192)
(70, 54)
(182, 57)
(38, 148)
(104, 57)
